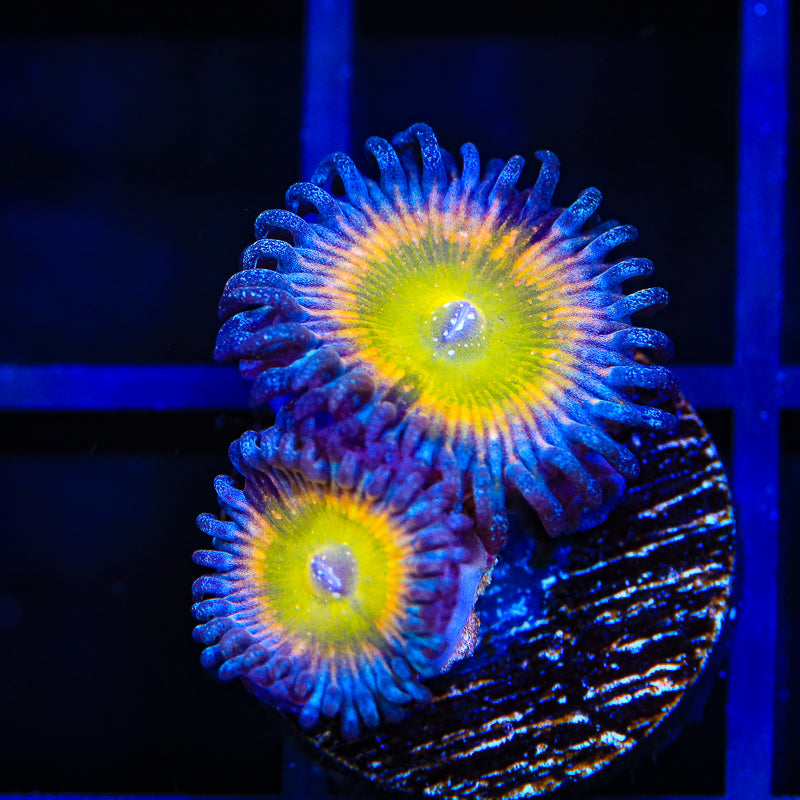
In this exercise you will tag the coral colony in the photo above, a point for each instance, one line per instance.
(438, 343)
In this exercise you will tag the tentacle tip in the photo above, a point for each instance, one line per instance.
(547, 156)
(658, 420)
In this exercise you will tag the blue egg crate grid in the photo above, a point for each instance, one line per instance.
(757, 387)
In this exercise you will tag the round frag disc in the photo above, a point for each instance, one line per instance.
(587, 649)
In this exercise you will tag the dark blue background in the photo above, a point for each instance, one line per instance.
(139, 145)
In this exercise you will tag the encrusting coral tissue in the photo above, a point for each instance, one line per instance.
(439, 343)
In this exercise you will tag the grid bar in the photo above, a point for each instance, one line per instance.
(185, 387)
(328, 77)
(762, 160)
(756, 386)
(80, 387)
(329, 32)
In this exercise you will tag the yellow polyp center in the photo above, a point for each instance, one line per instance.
(328, 568)
(457, 311)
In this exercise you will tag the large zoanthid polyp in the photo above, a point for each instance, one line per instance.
(500, 320)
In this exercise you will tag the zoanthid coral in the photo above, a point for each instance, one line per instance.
(445, 291)
(339, 596)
